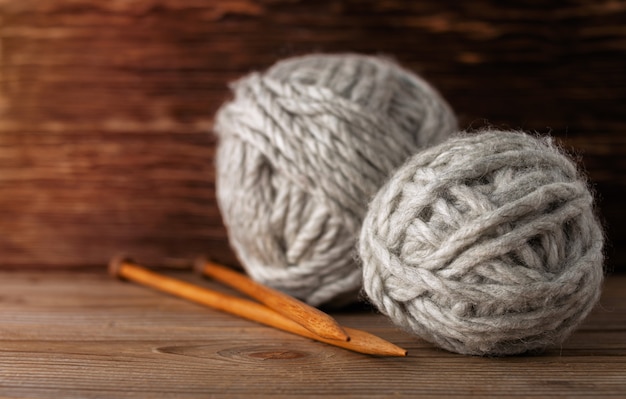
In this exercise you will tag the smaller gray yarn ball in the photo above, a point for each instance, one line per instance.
(486, 244)
(301, 149)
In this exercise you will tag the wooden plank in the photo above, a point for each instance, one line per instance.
(106, 107)
(77, 335)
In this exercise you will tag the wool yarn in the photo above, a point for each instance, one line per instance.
(302, 148)
(486, 244)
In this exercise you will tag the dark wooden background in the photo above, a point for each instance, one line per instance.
(106, 106)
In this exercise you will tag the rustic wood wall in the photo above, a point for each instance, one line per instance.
(106, 106)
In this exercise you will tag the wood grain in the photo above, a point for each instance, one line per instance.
(106, 107)
(78, 335)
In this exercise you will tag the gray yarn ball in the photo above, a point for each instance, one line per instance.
(485, 245)
(302, 148)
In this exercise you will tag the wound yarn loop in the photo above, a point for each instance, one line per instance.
(486, 244)
(302, 148)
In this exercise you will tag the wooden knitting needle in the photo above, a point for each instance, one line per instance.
(361, 341)
(307, 316)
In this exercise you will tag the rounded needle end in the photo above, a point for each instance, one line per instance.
(115, 265)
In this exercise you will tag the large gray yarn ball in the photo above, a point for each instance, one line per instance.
(486, 244)
(302, 148)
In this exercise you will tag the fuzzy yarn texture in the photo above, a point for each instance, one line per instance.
(485, 245)
(302, 149)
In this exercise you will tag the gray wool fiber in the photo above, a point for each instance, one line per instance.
(486, 244)
(302, 149)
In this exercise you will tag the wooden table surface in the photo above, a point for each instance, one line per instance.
(85, 335)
